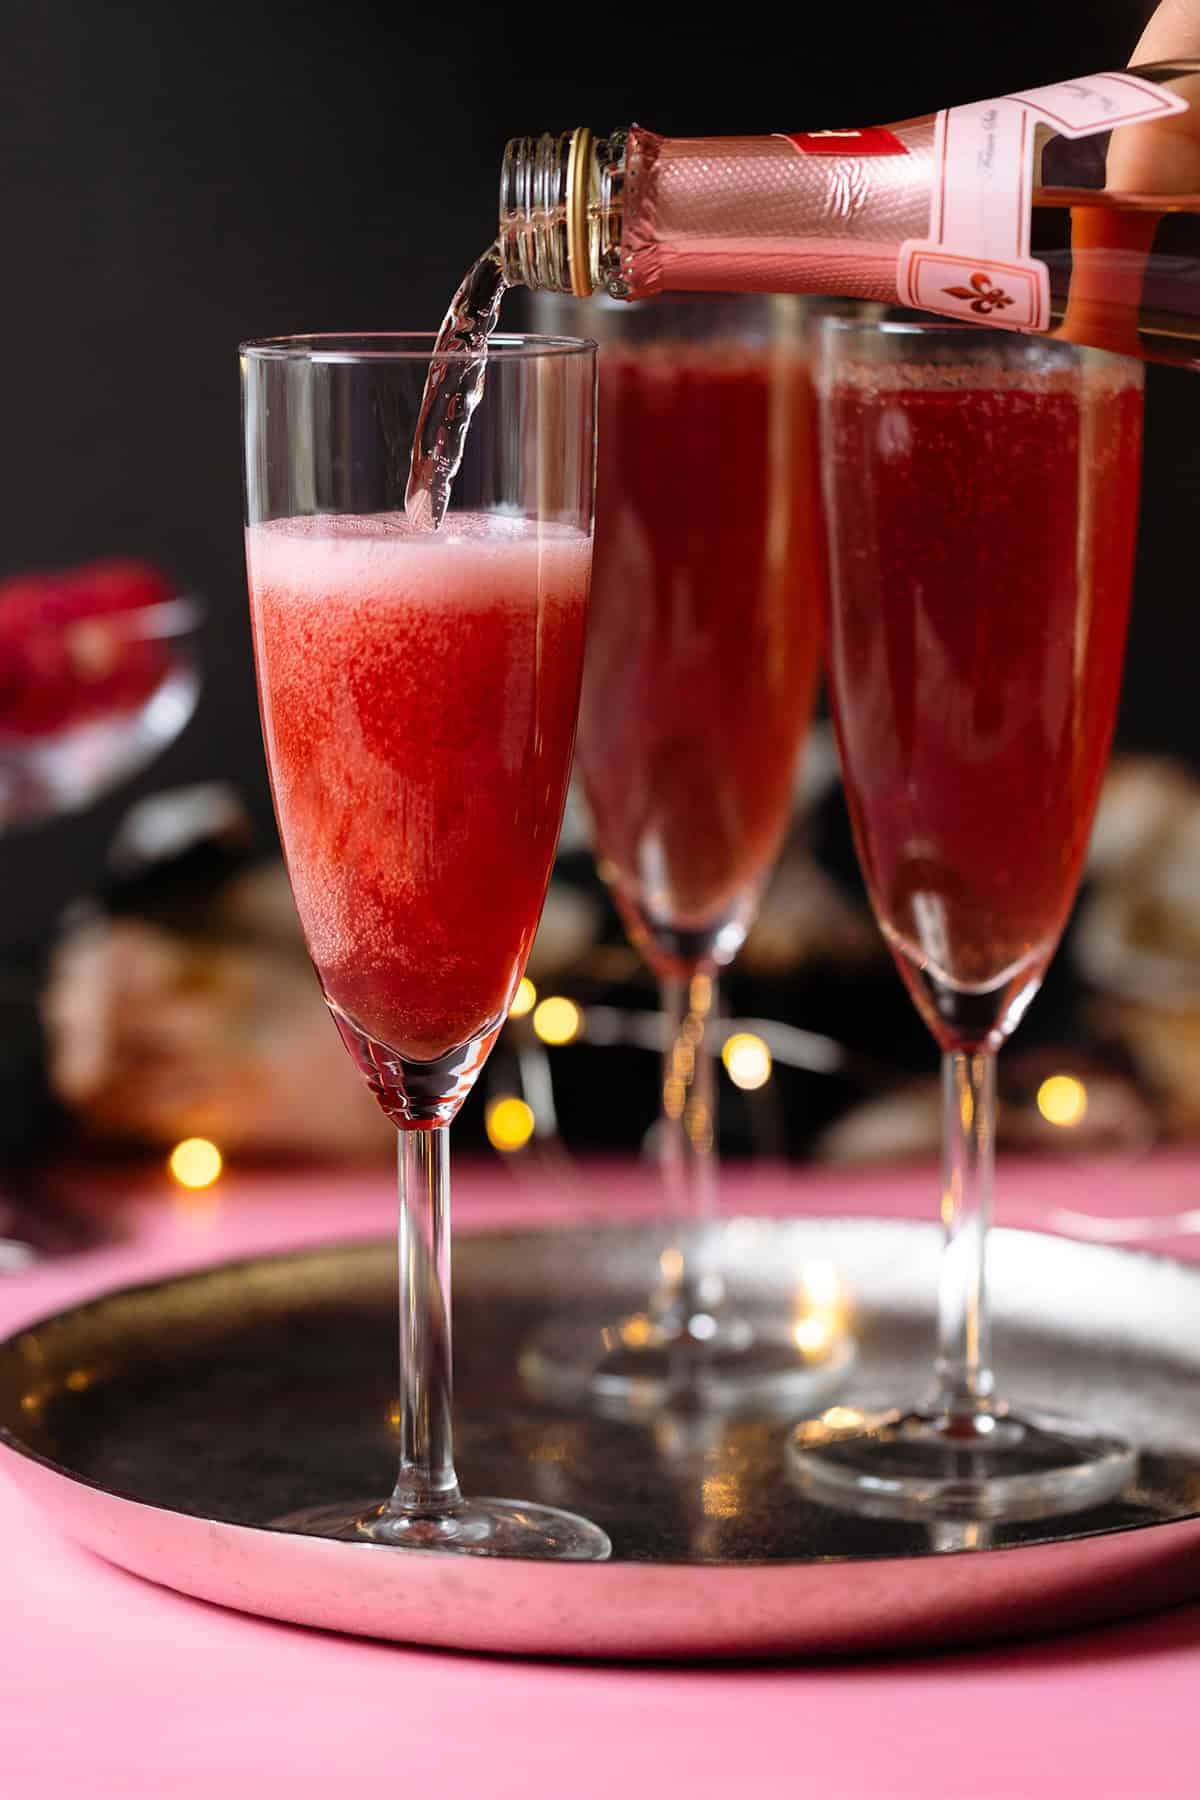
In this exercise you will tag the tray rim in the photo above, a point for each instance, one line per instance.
(374, 1245)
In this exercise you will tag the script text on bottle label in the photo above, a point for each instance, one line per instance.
(975, 262)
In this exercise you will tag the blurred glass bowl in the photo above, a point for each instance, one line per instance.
(86, 702)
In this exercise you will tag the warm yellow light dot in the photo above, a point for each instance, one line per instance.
(747, 1060)
(697, 1122)
(670, 1265)
(524, 1000)
(1062, 1100)
(195, 1163)
(509, 1123)
(700, 993)
(557, 1020)
(820, 1282)
(812, 1336)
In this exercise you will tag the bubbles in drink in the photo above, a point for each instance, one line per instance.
(419, 693)
(453, 389)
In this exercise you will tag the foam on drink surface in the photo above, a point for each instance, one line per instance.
(344, 555)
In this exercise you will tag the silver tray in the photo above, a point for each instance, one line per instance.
(164, 1426)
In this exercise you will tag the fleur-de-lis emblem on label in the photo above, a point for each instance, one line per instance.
(984, 297)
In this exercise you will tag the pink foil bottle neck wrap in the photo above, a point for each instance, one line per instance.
(757, 215)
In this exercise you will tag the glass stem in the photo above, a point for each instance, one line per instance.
(690, 1289)
(426, 1484)
(964, 1371)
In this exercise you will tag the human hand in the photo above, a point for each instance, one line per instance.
(1164, 157)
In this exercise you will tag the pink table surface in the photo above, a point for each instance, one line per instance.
(110, 1686)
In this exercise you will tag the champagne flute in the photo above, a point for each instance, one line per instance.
(981, 492)
(703, 660)
(418, 691)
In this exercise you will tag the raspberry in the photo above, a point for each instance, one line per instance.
(70, 649)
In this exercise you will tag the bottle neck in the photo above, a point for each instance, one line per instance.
(934, 212)
(561, 207)
(635, 215)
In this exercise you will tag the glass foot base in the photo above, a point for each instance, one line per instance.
(923, 1465)
(474, 1528)
(629, 1367)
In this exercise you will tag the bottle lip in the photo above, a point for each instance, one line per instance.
(406, 346)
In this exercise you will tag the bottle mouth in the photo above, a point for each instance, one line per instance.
(561, 212)
(534, 188)
(406, 346)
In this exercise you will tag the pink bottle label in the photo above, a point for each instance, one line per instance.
(975, 262)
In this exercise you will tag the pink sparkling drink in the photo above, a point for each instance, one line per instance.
(418, 693)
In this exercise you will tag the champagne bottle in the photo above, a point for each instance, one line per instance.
(1073, 208)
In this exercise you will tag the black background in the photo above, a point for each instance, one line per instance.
(174, 178)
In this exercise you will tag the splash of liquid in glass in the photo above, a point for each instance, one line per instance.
(453, 389)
